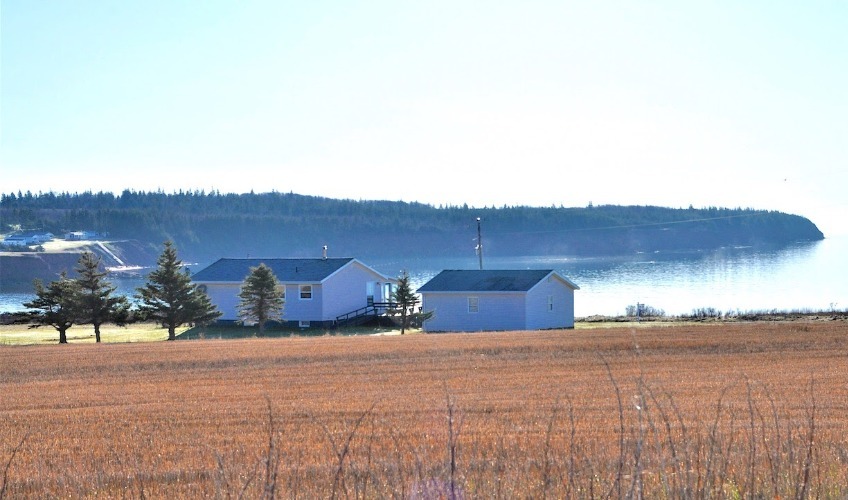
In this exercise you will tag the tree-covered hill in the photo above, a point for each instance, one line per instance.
(206, 226)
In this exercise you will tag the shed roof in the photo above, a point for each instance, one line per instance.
(515, 280)
(286, 270)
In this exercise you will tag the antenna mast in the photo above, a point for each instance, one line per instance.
(479, 244)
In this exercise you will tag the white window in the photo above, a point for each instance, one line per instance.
(550, 303)
(303, 323)
(473, 304)
(305, 292)
(282, 289)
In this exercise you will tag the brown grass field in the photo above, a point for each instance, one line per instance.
(723, 410)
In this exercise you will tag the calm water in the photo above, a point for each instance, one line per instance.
(803, 276)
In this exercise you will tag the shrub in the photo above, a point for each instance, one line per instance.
(643, 311)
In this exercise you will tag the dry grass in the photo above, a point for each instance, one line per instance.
(137, 332)
(22, 334)
(723, 410)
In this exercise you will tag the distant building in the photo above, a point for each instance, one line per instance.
(81, 235)
(318, 292)
(470, 300)
(27, 238)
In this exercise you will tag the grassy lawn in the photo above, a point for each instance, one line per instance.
(592, 325)
(151, 332)
(246, 332)
(142, 332)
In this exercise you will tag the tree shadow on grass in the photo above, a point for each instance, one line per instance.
(237, 331)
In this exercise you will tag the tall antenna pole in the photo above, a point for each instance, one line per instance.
(479, 244)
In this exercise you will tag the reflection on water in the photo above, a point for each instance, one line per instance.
(13, 301)
(801, 276)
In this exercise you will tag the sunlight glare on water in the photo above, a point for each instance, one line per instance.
(804, 276)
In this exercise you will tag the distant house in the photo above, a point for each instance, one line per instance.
(28, 238)
(81, 235)
(16, 240)
(318, 292)
(466, 300)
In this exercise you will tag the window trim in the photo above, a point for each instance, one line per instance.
(473, 305)
(302, 290)
(550, 303)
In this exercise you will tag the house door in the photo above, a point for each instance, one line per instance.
(369, 292)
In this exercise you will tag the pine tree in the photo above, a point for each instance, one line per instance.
(56, 305)
(171, 298)
(405, 299)
(261, 297)
(97, 304)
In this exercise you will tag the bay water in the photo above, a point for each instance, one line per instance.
(799, 277)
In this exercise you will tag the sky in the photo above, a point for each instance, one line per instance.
(498, 103)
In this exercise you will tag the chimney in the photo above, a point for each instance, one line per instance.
(324, 254)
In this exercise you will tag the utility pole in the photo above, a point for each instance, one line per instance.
(479, 244)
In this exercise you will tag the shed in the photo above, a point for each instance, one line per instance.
(477, 300)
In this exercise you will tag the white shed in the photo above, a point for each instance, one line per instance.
(468, 300)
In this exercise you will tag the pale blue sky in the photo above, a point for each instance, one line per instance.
(721, 103)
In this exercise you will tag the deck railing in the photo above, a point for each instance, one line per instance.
(372, 309)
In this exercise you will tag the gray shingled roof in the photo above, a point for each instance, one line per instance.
(286, 270)
(485, 280)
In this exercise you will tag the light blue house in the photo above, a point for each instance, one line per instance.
(467, 300)
(28, 238)
(318, 292)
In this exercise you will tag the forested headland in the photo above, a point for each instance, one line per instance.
(208, 225)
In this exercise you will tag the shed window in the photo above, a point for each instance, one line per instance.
(473, 304)
(305, 292)
(282, 291)
(303, 323)
(550, 303)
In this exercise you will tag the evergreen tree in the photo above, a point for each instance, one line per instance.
(171, 298)
(56, 305)
(261, 297)
(405, 299)
(97, 304)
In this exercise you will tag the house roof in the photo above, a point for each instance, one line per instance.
(520, 280)
(28, 234)
(286, 270)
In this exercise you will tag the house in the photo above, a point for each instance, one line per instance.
(467, 300)
(317, 292)
(81, 235)
(27, 238)
(17, 240)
